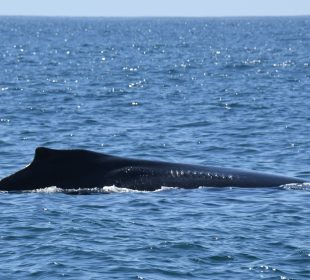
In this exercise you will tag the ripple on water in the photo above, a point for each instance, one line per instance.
(226, 92)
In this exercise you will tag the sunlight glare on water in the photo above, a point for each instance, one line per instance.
(229, 92)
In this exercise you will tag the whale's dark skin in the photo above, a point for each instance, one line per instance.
(82, 169)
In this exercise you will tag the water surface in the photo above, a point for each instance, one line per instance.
(228, 91)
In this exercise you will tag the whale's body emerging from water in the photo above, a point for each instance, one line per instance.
(82, 169)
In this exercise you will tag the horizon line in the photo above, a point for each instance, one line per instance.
(155, 16)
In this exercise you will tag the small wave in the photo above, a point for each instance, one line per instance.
(53, 189)
(303, 186)
(96, 190)
(114, 189)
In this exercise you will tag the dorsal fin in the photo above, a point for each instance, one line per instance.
(42, 153)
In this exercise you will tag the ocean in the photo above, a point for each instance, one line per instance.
(231, 92)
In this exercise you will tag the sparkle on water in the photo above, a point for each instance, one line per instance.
(230, 92)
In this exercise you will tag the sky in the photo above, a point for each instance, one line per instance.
(138, 8)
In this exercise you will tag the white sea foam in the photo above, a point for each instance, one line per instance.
(114, 189)
(303, 186)
(105, 189)
(52, 189)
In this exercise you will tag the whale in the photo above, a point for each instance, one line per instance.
(83, 169)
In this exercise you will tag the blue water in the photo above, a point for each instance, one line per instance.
(230, 92)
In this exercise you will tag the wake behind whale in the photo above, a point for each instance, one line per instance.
(83, 170)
